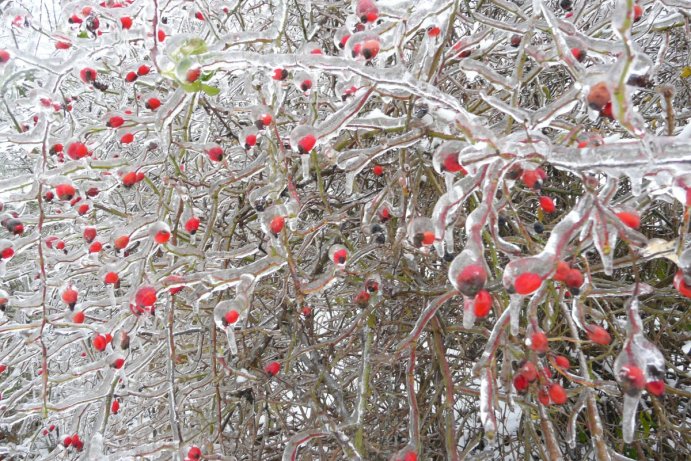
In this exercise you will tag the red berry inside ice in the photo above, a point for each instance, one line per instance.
(539, 342)
(65, 191)
(111, 278)
(471, 279)
(340, 256)
(88, 75)
(232, 316)
(146, 296)
(547, 204)
(483, 303)
(598, 335)
(126, 22)
(99, 342)
(527, 283)
(378, 170)
(272, 368)
(77, 150)
(277, 224)
(192, 225)
(306, 144)
(630, 219)
(557, 394)
(193, 74)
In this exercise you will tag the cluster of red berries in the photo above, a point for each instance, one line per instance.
(548, 391)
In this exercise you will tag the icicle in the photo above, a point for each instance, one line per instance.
(629, 416)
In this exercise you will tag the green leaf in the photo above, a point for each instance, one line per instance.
(83, 34)
(686, 72)
(210, 90)
(191, 87)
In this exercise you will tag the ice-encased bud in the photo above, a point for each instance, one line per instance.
(338, 254)
(303, 139)
(160, 232)
(467, 273)
(445, 158)
(363, 46)
(421, 232)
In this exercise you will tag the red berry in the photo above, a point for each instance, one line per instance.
(539, 342)
(532, 179)
(433, 31)
(306, 311)
(89, 234)
(146, 296)
(4, 56)
(630, 219)
(306, 85)
(131, 77)
(143, 70)
(637, 12)
(410, 456)
(520, 383)
(483, 303)
(272, 368)
(62, 45)
(543, 397)
(579, 54)
(127, 138)
(598, 335)
(340, 256)
(115, 121)
(633, 377)
(378, 170)
(451, 164)
(111, 278)
(427, 238)
(88, 75)
(471, 279)
(656, 388)
(161, 35)
(69, 297)
(162, 237)
(118, 363)
(215, 153)
(194, 453)
(370, 49)
(250, 141)
(529, 371)
(77, 150)
(527, 283)
(153, 103)
(192, 225)
(562, 362)
(99, 342)
(558, 394)
(67, 441)
(306, 144)
(547, 204)
(65, 191)
(129, 179)
(199, 15)
(574, 279)
(78, 317)
(607, 111)
(126, 22)
(362, 298)
(680, 284)
(115, 407)
(83, 209)
(121, 242)
(193, 74)
(7, 253)
(280, 74)
(232, 316)
(56, 148)
(563, 269)
(277, 224)
(92, 191)
(95, 247)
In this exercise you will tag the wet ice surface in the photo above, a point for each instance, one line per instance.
(301, 148)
